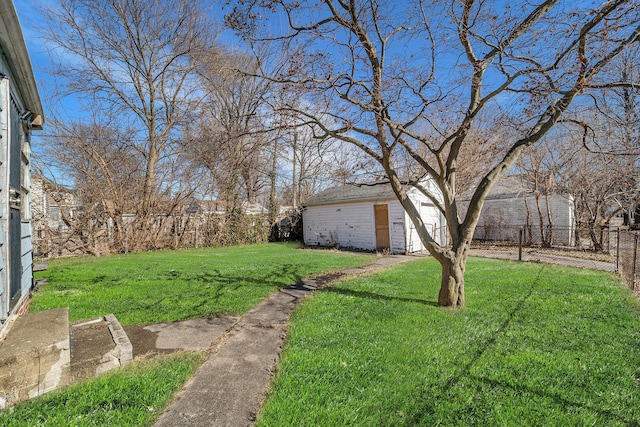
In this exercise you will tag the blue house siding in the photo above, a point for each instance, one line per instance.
(3, 272)
(20, 113)
(26, 258)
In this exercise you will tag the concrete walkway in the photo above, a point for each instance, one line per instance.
(228, 389)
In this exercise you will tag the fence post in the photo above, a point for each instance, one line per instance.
(520, 236)
(618, 250)
(635, 260)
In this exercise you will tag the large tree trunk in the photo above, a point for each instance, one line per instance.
(452, 285)
(597, 242)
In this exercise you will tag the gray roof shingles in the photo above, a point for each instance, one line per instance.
(352, 193)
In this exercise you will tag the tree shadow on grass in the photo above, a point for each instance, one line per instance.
(428, 409)
(276, 278)
(208, 287)
(607, 414)
(374, 296)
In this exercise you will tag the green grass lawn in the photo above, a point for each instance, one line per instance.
(165, 286)
(536, 345)
(134, 395)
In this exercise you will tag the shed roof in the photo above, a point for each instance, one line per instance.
(352, 193)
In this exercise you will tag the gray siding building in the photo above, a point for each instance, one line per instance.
(512, 206)
(20, 113)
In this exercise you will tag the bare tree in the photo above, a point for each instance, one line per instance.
(132, 58)
(594, 157)
(347, 165)
(600, 184)
(106, 172)
(307, 159)
(537, 175)
(614, 123)
(388, 73)
(599, 165)
(229, 136)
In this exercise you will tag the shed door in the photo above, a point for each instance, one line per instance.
(381, 213)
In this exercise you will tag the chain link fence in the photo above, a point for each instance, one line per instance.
(599, 248)
(570, 246)
(594, 239)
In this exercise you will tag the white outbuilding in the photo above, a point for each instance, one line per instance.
(369, 217)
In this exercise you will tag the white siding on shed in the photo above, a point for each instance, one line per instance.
(433, 220)
(397, 227)
(350, 223)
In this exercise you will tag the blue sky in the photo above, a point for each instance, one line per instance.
(32, 21)
(33, 24)
(29, 12)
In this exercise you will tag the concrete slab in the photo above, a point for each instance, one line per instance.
(40, 266)
(274, 311)
(98, 345)
(35, 356)
(229, 386)
(188, 335)
(124, 350)
(91, 345)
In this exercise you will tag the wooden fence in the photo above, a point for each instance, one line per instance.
(627, 253)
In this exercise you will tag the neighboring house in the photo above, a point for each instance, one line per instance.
(52, 207)
(629, 217)
(368, 217)
(216, 207)
(20, 113)
(512, 206)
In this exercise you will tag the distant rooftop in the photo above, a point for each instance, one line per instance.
(508, 186)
